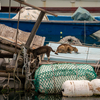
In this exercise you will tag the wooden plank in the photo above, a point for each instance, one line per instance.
(22, 2)
(37, 41)
(4, 74)
(7, 36)
(6, 55)
(53, 62)
(11, 69)
(9, 41)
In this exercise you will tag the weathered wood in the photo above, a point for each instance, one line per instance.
(2, 61)
(22, 2)
(5, 54)
(8, 41)
(4, 74)
(53, 62)
(7, 37)
(11, 69)
(8, 48)
(37, 41)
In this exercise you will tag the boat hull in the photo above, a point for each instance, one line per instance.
(56, 30)
(57, 27)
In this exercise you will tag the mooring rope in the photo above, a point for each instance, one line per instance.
(7, 85)
(18, 80)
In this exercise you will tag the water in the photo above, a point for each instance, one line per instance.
(34, 96)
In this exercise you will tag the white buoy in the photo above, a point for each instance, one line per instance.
(96, 86)
(77, 88)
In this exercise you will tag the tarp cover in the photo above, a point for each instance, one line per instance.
(29, 13)
(82, 14)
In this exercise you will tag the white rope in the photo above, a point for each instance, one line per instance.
(25, 59)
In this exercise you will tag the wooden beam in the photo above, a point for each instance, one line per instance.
(53, 62)
(22, 2)
(6, 55)
(8, 41)
(8, 48)
(4, 74)
(10, 69)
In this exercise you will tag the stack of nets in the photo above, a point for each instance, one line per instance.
(49, 78)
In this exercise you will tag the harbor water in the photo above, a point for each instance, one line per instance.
(33, 96)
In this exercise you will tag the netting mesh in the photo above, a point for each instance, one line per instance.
(49, 78)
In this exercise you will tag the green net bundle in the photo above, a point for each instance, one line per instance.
(50, 77)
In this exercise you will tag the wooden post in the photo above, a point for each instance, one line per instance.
(35, 28)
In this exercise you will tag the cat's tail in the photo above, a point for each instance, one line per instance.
(55, 52)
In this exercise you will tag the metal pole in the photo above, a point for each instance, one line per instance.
(84, 32)
(9, 7)
(34, 30)
(17, 30)
(87, 55)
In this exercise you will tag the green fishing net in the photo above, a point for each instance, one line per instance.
(50, 77)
